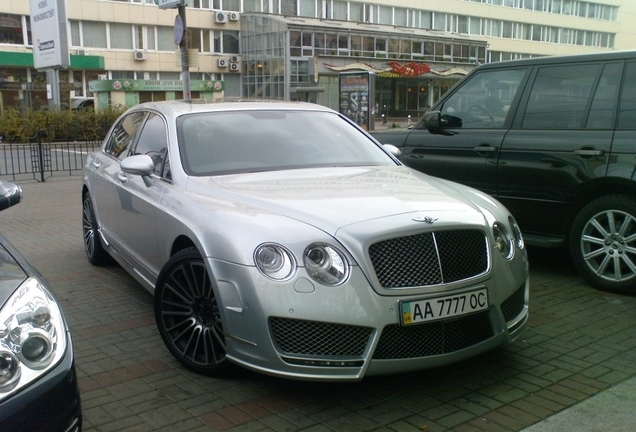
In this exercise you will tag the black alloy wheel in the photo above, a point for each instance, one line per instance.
(187, 314)
(92, 242)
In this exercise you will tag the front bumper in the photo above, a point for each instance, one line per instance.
(51, 403)
(300, 329)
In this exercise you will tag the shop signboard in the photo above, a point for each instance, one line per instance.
(48, 30)
(129, 85)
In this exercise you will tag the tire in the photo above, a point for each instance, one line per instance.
(187, 315)
(603, 244)
(92, 242)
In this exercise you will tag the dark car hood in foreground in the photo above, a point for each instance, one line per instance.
(331, 198)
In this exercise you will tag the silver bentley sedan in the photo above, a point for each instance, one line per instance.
(282, 238)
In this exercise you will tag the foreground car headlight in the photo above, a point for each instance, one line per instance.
(503, 240)
(32, 336)
(274, 261)
(326, 264)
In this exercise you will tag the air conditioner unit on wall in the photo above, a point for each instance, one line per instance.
(220, 17)
(235, 59)
(223, 62)
(140, 55)
(82, 52)
(234, 67)
(234, 16)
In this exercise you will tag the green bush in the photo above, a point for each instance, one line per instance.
(58, 124)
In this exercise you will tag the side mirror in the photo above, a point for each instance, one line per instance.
(138, 165)
(433, 121)
(141, 165)
(393, 150)
(10, 194)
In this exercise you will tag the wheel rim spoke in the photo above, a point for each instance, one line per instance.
(190, 315)
(608, 245)
(89, 234)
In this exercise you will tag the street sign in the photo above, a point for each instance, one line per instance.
(168, 4)
(178, 29)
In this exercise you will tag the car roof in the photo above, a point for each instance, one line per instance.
(602, 56)
(176, 108)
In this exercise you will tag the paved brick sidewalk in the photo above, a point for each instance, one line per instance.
(580, 342)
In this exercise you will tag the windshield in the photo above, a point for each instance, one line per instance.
(265, 140)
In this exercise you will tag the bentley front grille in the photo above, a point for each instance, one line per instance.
(430, 258)
(313, 338)
(434, 338)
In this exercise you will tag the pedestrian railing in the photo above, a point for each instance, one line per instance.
(40, 161)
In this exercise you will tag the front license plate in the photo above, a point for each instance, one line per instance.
(419, 311)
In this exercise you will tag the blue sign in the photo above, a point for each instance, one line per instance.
(178, 29)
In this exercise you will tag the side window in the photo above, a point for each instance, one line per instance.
(559, 97)
(123, 135)
(484, 101)
(153, 141)
(601, 114)
(627, 111)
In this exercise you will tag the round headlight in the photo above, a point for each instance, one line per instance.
(516, 232)
(326, 264)
(9, 370)
(503, 240)
(36, 348)
(274, 261)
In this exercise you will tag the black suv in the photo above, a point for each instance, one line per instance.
(552, 138)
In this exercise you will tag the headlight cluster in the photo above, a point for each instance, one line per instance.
(506, 240)
(32, 336)
(324, 263)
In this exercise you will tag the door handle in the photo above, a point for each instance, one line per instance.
(122, 177)
(589, 152)
(483, 148)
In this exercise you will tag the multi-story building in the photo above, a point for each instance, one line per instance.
(123, 51)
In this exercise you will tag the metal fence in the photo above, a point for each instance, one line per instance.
(40, 161)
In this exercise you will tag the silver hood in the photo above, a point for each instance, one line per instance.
(333, 198)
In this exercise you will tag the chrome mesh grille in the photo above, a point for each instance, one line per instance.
(315, 338)
(514, 304)
(434, 338)
(429, 258)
